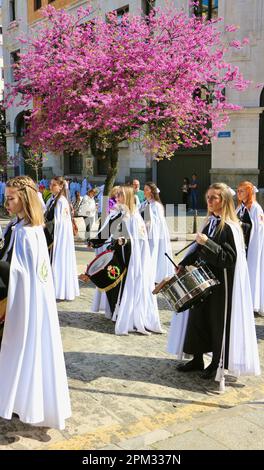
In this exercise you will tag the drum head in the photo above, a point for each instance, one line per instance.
(100, 262)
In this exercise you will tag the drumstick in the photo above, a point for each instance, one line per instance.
(166, 254)
(187, 246)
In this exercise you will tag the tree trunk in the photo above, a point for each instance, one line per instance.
(112, 157)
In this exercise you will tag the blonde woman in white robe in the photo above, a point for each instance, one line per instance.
(62, 251)
(33, 381)
(158, 233)
(255, 252)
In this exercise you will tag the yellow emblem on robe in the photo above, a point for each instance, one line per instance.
(43, 271)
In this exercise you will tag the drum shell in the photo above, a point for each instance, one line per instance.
(184, 291)
(102, 279)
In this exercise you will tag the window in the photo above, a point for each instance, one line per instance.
(147, 6)
(207, 9)
(12, 10)
(102, 166)
(122, 11)
(75, 163)
(37, 4)
(14, 61)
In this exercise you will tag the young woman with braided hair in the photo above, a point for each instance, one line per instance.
(61, 242)
(33, 381)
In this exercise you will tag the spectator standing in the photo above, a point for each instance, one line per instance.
(137, 191)
(185, 192)
(194, 191)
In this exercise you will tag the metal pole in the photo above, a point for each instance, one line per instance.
(195, 221)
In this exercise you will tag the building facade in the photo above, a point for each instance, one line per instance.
(239, 151)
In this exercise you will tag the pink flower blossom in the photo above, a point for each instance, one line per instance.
(230, 28)
(159, 80)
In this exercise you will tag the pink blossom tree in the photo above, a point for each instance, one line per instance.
(158, 79)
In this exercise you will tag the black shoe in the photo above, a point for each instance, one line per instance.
(209, 373)
(191, 366)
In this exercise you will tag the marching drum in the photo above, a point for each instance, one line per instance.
(106, 270)
(190, 287)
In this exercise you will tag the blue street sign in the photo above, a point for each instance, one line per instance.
(224, 134)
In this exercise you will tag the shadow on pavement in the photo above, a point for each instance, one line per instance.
(87, 321)
(88, 367)
(172, 400)
(260, 331)
(92, 321)
(11, 430)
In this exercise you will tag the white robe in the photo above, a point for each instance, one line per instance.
(159, 241)
(243, 349)
(100, 301)
(43, 205)
(137, 310)
(33, 381)
(255, 257)
(64, 266)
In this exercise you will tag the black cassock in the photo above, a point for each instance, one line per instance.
(206, 320)
(116, 229)
(245, 222)
(5, 267)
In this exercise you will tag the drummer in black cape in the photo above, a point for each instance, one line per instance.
(133, 307)
(114, 232)
(223, 324)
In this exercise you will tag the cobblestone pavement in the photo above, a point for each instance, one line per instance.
(127, 394)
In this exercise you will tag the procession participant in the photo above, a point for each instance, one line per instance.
(60, 240)
(33, 381)
(136, 307)
(224, 323)
(251, 213)
(100, 301)
(112, 228)
(43, 205)
(88, 211)
(243, 216)
(158, 233)
(112, 198)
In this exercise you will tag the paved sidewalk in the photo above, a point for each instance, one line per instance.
(127, 394)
